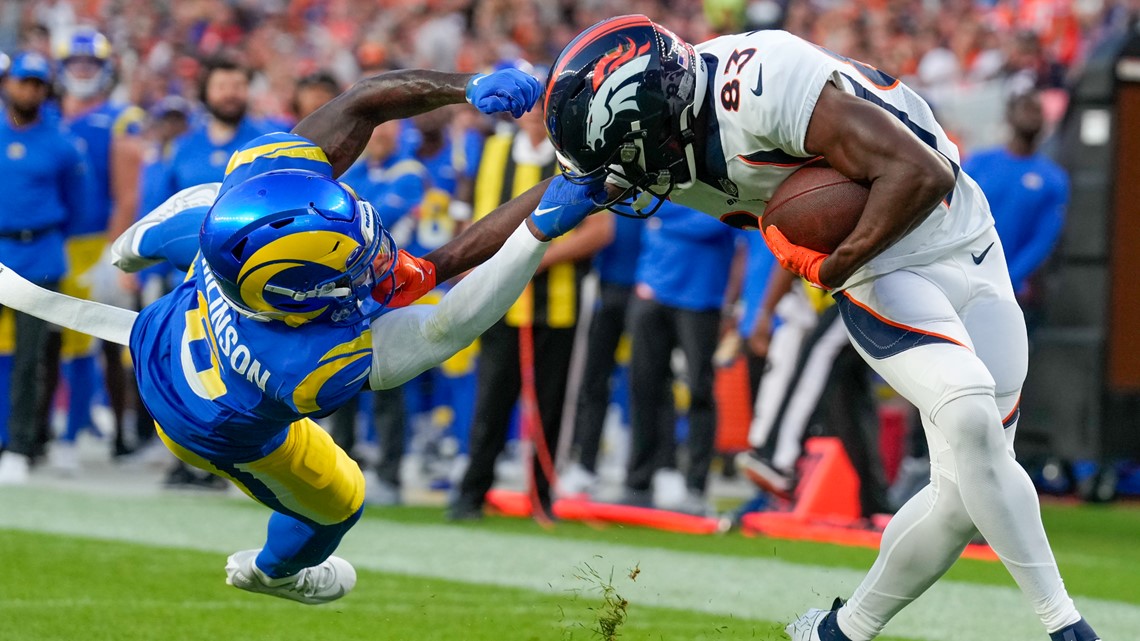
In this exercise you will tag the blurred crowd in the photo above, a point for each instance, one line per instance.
(929, 43)
(191, 81)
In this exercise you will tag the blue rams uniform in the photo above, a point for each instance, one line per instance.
(94, 131)
(233, 395)
(46, 185)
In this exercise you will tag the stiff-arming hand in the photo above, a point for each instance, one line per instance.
(565, 204)
(504, 90)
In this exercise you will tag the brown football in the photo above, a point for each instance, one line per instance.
(816, 207)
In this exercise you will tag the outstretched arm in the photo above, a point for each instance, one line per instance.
(342, 126)
(908, 179)
(413, 339)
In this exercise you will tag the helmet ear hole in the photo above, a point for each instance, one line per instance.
(239, 248)
(278, 224)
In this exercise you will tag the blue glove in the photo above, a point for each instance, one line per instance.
(566, 204)
(505, 90)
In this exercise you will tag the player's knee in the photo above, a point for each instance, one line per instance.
(971, 426)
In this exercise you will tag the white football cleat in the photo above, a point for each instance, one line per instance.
(125, 252)
(811, 626)
(319, 584)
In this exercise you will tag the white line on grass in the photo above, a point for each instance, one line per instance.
(743, 588)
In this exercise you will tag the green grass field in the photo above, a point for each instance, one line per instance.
(91, 567)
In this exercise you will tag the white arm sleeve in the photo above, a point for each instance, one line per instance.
(411, 340)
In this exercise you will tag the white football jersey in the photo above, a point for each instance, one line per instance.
(762, 88)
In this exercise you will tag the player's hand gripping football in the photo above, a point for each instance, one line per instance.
(411, 278)
(565, 204)
(504, 90)
(800, 260)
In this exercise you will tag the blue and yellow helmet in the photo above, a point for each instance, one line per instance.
(297, 246)
(85, 60)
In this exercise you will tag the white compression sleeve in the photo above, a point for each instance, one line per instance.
(413, 339)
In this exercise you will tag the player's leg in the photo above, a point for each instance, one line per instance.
(317, 494)
(997, 491)
(166, 233)
(902, 323)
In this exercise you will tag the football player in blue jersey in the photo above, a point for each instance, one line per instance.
(109, 134)
(280, 319)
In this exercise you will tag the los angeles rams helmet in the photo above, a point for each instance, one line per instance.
(621, 100)
(85, 58)
(297, 246)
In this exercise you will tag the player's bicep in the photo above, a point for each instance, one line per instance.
(863, 141)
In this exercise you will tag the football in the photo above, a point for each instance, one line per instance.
(816, 207)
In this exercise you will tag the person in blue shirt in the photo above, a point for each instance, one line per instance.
(682, 275)
(616, 266)
(200, 155)
(109, 134)
(283, 317)
(46, 188)
(1027, 191)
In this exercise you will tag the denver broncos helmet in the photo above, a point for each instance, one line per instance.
(297, 246)
(621, 101)
(85, 57)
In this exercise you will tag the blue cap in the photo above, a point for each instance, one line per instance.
(30, 64)
(171, 104)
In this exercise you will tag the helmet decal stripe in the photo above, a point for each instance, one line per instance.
(608, 63)
(587, 38)
(616, 94)
(290, 149)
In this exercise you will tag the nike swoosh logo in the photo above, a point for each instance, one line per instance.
(540, 211)
(978, 258)
(476, 81)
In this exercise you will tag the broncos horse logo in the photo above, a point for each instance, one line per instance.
(617, 77)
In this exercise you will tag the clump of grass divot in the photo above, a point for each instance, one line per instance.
(612, 613)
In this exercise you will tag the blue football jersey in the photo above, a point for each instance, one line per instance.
(226, 386)
(94, 131)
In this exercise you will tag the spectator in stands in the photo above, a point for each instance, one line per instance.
(46, 188)
(109, 133)
(682, 274)
(312, 91)
(1027, 192)
(200, 155)
(513, 162)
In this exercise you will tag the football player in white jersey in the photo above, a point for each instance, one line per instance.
(921, 281)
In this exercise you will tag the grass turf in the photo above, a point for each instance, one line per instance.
(60, 588)
(73, 588)
(1095, 546)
